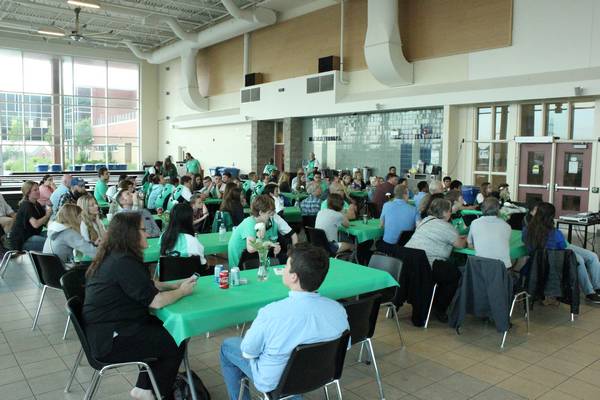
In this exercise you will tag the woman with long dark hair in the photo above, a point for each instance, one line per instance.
(540, 233)
(118, 295)
(168, 169)
(179, 236)
(232, 203)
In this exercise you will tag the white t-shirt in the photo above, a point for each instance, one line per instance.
(490, 236)
(479, 199)
(329, 220)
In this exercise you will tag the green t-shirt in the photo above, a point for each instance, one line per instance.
(248, 185)
(269, 168)
(237, 242)
(100, 192)
(324, 205)
(192, 166)
(168, 189)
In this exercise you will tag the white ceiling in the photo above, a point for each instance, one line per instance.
(135, 20)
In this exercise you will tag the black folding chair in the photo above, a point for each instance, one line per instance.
(404, 237)
(73, 284)
(174, 268)
(310, 367)
(393, 266)
(75, 308)
(318, 238)
(372, 210)
(362, 317)
(309, 220)
(6, 260)
(49, 269)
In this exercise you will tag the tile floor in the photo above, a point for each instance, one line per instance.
(556, 360)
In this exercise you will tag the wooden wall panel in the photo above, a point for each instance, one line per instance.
(436, 28)
(220, 67)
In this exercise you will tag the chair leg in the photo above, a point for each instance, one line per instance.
(377, 375)
(153, 382)
(89, 393)
(527, 311)
(360, 353)
(243, 384)
(74, 370)
(66, 327)
(503, 339)
(326, 392)
(4, 263)
(395, 315)
(188, 373)
(572, 317)
(37, 313)
(243, 330)
(430, 306)
(339, 389)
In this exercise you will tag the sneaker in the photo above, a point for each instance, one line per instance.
(594, 298)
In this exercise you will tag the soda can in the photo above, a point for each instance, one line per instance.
(218, 269)
(224, 279)
(235, 276)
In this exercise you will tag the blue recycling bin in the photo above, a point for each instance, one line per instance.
(98, 166)
(41, 168)
(88, 167)
(122, 167)
(112, 166)
(75, 167)
(469, 193)
(233, 171)
(215, 170)
(55, 167)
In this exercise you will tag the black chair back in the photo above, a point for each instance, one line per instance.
(405, 237)
(516, 221)
(73, 283)
(372, 209)
(362, 317)
(318, 238)
(49, 268)
(175, 268)
(469, 218)
(309, 220)
(312, 366)
(75, 311)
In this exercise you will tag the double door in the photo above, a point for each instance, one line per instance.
(558, 173)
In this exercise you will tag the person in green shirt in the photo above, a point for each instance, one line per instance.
(102, 186)
(269, 167)
(166, 192)
(262, 210)
(250, 183)
(312, 166)
(192, 166)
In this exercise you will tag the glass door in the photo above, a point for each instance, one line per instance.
(572, 181)
(535, 168)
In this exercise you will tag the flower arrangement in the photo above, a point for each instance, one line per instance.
(260, 244)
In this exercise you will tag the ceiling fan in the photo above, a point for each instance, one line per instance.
(77, 34)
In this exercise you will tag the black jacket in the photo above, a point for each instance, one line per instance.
(554, 273)
(416, 283)
(485, 290)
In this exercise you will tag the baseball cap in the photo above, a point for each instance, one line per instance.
(77, 182)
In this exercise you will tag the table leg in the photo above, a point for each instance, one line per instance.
(188, 371)
(570, 233)
(585, 237)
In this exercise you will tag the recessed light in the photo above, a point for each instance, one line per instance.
(84, 3)
(51, 31)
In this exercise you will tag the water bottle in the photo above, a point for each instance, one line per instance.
(222, 232)
(234, 276)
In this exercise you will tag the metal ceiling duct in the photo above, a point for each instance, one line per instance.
(383, 46)
(187, 47)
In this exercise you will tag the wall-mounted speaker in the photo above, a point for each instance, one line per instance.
(255, 78)
(329, 63)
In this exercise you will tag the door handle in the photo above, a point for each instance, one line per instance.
(574, 188)
(523, 185)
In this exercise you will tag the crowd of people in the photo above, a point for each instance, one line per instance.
(66, 220)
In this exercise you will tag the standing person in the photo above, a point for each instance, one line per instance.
(485, 190)
(7, 215)
(91, 227)
(118, 295)
(312, 166)
(397, 216)
(192, 166)
(27, 231)
(63, 188)
(200, 211)
(264, 351)
(423, 189)
(384, 191)
(47, 187)
(168, 169)
(157, 184)
(179, 235)
(64, 236)
(269, 167)
(541, 233)
(489, 235)
(102, 186)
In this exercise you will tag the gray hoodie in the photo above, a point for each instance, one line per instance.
(62, 240)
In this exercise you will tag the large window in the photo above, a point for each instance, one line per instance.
(562, 119)
(68, 111)
(491, 145)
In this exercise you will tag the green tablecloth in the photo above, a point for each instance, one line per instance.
(358, 193)
(294, 196)
(470, 212)
(105, 220)
(210, 308)
(212, 200)
(517, 247)
(363, 232)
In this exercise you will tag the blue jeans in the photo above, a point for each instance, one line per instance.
(35, 243)
(234, 367)
(588, 269)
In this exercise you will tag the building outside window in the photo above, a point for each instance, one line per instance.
(491, 145)
(567, 120)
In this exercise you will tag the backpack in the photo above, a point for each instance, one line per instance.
(181, 388)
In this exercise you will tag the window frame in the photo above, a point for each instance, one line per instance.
(490, 173)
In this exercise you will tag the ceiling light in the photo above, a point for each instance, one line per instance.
(84, 3)
(51, 31)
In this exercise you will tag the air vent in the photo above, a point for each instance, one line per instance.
(322, 83)
(250, 95)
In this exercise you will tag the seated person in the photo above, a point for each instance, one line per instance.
(251, 182)
(489, 235)
(458, 203)
(59, 191)
(349, 209)
(384, 191)
(540, 233)
(485, 190)
(219, 185)
(284, 183)
(125, 201)
(299, 182)
(118, 295)
(317, 177)
(158, 185)
(437, 237)
(396, 217)
(182, 193)
(7, 215)
(264, 351)
(77, 189)
(111, 192)
(357, 181)
(330, 219)
(273, 190)
(404, 182)
(423, 189)
(63, 235)
(91, 227)
(260, 186)
(312, 204)
(199, 210)
(209, 189)
(47, 187)
(262, 211)
(27, 231)
(166, 192)
(232, 203)
(179, 236)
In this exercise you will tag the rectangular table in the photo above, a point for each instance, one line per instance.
(210, 308)
(363, 232)
(517, 247)
(211, 242)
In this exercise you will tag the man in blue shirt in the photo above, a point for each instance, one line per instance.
(302, 318)
(312, 204)
(423, 188)
(397, 216)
